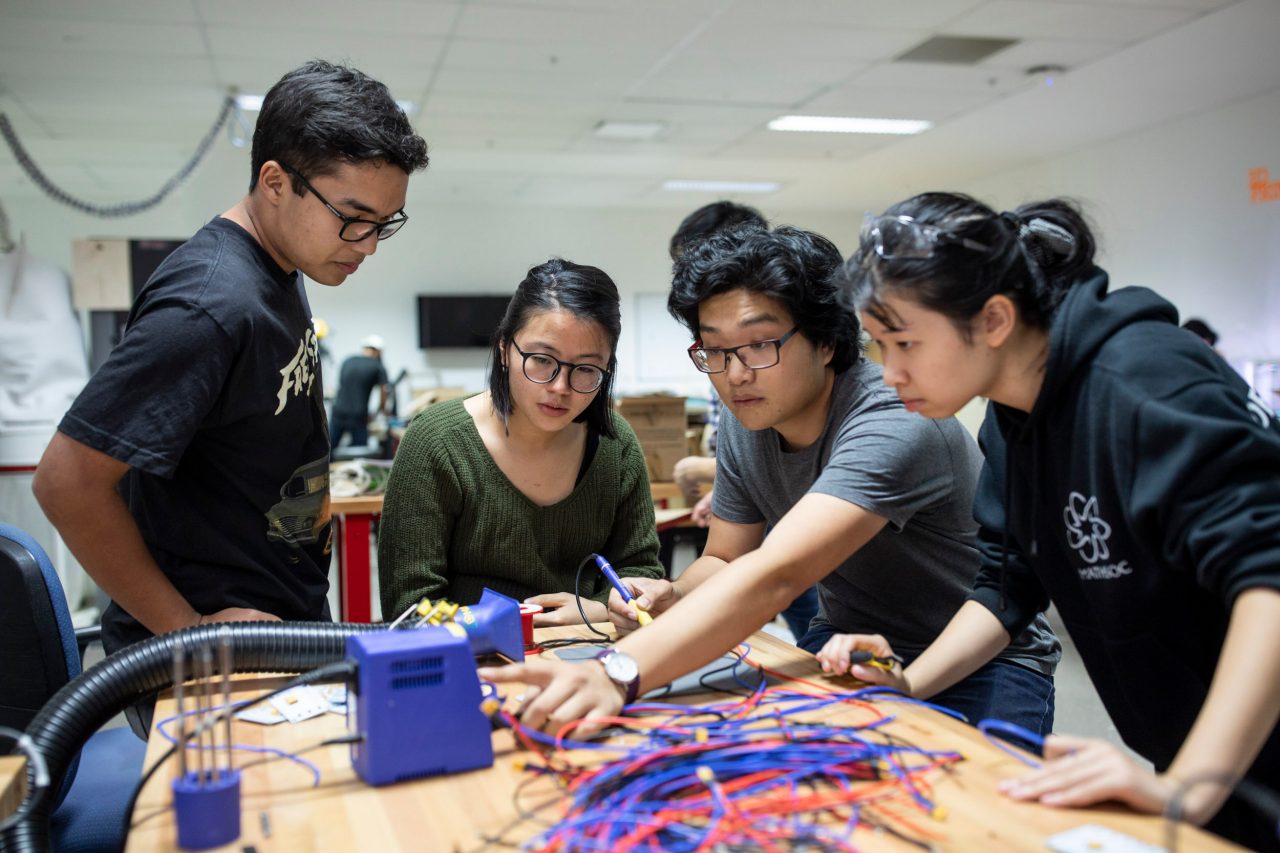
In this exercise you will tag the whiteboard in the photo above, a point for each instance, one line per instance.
(658, 343)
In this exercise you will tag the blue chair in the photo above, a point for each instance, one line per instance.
(41, 652)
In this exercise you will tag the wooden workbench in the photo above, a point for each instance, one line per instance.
(283, 811)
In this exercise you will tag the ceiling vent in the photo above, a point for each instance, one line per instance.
(954, 50)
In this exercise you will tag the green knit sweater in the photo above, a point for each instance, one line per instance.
(453, 524)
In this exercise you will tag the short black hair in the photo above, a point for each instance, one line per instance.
(320, 115)
(558, 285)
(709, 219)
(1202, 330)
(798, 268)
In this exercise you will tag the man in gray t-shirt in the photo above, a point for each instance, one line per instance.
(918, 474)
(853, 491)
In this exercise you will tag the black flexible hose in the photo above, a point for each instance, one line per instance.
(80, 708)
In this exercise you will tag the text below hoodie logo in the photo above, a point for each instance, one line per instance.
(1258, 408)
(1086, 532)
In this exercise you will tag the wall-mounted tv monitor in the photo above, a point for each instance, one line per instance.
(459, 321)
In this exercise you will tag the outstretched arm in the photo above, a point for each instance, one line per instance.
(818, 534)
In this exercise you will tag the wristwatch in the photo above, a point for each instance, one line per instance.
(623, 671)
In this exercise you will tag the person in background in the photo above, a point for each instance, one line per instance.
(1203, 331)
(1140, 495)
(864, 498)
(515, 488)
(208, 415)
(360, 374)
(693, 471)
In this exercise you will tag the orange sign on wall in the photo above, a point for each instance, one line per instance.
(1261, 187)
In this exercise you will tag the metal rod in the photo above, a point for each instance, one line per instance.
(179, 676)
(206, 670)
(224, 652)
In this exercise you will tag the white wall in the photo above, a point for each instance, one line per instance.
(1171, 204)
(446, 248)
(1173, 212)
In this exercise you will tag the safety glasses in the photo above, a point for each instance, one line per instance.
(894, 237)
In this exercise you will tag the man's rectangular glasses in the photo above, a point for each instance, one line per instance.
(754, 356)
(354, 229)
(897, 237)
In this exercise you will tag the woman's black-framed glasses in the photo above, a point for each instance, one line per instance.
(895, 237)
(543, 369)
(353, 228)
(755, 356)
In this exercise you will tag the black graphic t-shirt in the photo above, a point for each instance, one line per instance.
(213, 397)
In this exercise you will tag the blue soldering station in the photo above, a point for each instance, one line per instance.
(417, 699)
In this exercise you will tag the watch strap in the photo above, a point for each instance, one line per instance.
(631, 688)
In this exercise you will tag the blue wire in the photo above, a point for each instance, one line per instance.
(992, 727)
(240, 747)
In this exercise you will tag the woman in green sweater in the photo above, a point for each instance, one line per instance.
(513, 488)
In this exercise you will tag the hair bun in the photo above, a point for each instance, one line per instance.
(1054, 237)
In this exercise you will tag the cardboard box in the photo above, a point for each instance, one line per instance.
(431, 396)
(661, 457)
(660, 425)
(658, 412)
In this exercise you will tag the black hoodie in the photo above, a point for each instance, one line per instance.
(1142, 494)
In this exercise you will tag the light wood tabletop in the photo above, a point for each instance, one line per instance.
(13, 783)
(283, 809)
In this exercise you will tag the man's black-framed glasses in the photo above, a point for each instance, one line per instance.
(354, 229)
(895, 237)
(542, 368)
(755, 356)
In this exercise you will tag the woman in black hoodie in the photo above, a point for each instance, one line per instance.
(1132, 478)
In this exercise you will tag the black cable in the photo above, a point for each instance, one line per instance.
(82, 706)
(128, 208)
(577, 598)
(345, 669)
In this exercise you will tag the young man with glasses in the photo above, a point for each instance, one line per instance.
(190, 477)
(863, 498)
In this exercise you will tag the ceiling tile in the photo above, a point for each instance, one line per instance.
(1067, 20)
(294, 22)
(100, 37)
(784, 40)
(917, 15)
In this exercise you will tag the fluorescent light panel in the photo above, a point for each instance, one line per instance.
(721, 186)
(849, 124)
(253, 103)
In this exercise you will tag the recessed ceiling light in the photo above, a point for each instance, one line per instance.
(848, 124)
(253, 103)
(1046, 74)
(721, 186)
(630, 131)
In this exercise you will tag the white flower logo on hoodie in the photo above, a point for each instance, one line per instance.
(1086, 532)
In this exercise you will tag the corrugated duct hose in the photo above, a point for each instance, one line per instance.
(80, 708)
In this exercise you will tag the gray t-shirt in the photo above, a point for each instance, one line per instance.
(919, 474)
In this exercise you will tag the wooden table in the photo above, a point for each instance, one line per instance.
(352, 519)
(281, 810)
(13, 783)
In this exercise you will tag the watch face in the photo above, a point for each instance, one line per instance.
(621, 667)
